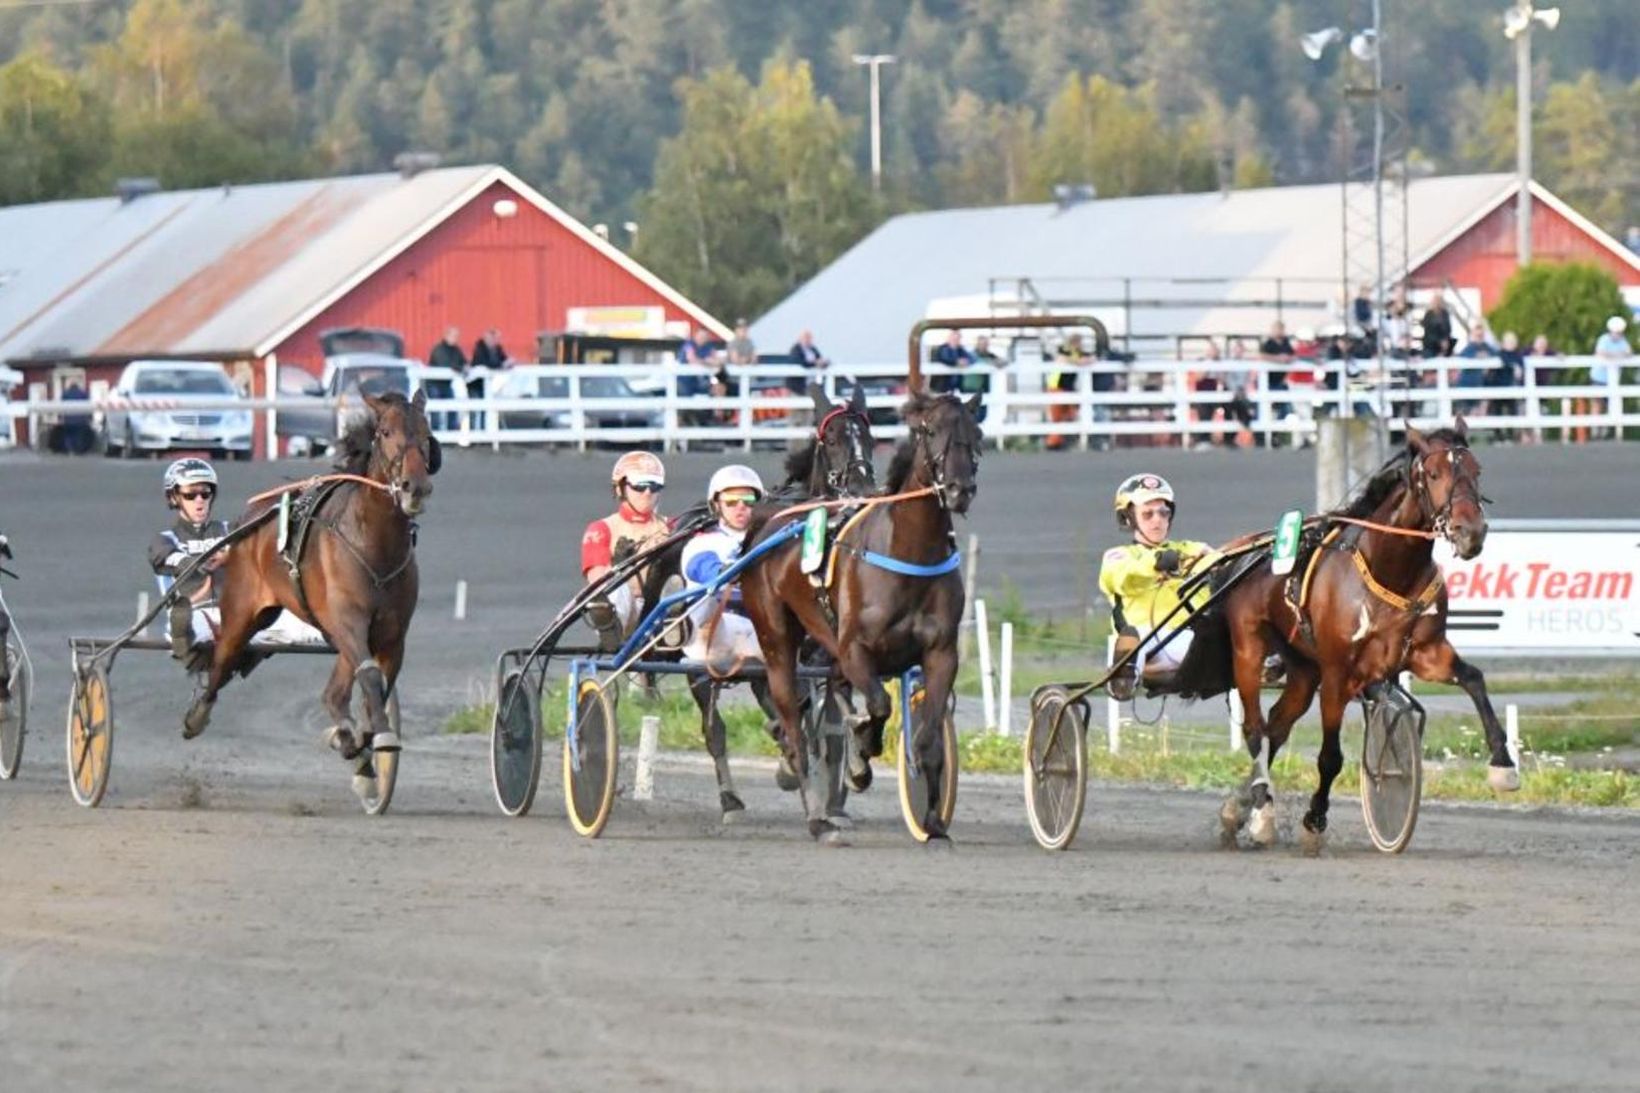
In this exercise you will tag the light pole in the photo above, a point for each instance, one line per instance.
(1517, 26)
(875, 61)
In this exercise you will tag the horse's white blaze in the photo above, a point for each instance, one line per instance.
(1363, 627)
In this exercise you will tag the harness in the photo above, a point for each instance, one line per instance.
(297, 522)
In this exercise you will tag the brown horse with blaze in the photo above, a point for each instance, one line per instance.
(350, 571)
(1367, 603)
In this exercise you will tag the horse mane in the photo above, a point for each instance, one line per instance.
(899, 468)
(1387, 480)
(358, 439)
(800, 464)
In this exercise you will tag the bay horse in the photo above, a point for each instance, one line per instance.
(1368, 603)
(896, 600)
(356, 579)
(835, 462)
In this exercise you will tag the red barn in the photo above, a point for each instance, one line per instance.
(249, 275)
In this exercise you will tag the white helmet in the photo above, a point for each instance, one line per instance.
(734, 476)
(639, 467)
(189, 472)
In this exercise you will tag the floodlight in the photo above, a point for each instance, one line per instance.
(1364, 46)
(1316, 42)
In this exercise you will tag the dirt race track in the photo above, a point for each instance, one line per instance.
(229, 920)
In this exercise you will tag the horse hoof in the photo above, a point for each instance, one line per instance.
(1231, 816)
(938, 840)
(732, 816)
(734, 809)
(785, 777)
(1503, 779)
(832, 839)
(339, 738)
(385, 741)
(859, 780)
(1262, 827)
(840, 820)
(195, 720)
(1312, 842)
(364, 787)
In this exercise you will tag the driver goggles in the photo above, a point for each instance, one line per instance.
(737, 500)
(645, 487)
(205, 492)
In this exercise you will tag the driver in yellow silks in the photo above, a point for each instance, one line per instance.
(1142, 578)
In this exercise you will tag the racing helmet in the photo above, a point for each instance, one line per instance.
(638, 467)
(1138, 489)
(189, 472)
(734, 476)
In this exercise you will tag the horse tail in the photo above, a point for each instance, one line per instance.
(1208, 668)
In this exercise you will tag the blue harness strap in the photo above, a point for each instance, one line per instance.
(911, 569)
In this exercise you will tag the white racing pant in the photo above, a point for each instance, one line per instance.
(628, 605)
(733, 639)
(287, 629)
(1169, 658)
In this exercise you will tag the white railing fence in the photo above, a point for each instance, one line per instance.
(1152, 398)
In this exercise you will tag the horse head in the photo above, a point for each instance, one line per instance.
(403, 453)
(1445, 476)
(946, 437)
(843, 443)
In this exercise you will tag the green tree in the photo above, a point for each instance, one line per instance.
(53, 132)
(1097, 131)
(1570, 302)
(756, 193)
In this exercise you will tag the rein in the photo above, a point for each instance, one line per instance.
(846, 502)
(293, 487)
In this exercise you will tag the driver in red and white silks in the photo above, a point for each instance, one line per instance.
(732, 493)
(637, 481)
(1142, 578)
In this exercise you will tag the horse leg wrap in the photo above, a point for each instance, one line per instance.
(368, 675)
(181, 619)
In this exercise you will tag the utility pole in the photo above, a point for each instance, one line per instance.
(1517, 25)
(875, 61)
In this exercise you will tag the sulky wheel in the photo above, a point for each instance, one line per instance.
(14, 708)
(90, 734)
(515, 742)
(1056, 767)
(591, 758)
(913, 786)
(385, 764)
(1392, 773)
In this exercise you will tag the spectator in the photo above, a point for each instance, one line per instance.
(1437, 329)
(1276, 349)
(1241, 380)
(1478, 348)
(1510, 371)
(488, 352)
(1361, 309)
(76, 428)
(742, 351)
(1544, 376)
(986, 361)
(447, 352)
(1208, 380)
(806, 353)
(1071, 356)
(698, 350)
(1398, 325)
(1611, 348)
(953, 354)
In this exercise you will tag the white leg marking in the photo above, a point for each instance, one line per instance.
(1362, 630)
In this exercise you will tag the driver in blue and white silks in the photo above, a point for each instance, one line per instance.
(731, 493)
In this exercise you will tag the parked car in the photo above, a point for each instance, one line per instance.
(351, 376)
(547, 381)
(133, 432)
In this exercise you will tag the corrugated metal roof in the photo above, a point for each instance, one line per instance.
(862, 305)
(199, 271)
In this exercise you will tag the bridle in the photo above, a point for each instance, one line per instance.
(1465, 472)
(392, 469)
(935, 464)
(855, 429)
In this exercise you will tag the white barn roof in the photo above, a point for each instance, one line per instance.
(862, 305)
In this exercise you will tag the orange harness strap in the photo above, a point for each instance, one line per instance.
(1415, 606)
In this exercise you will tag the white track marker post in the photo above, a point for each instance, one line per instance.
(142, 612)
(1113, 708)
(987, 691)
(461, 601)
(1005, 692)
(1511, 732)
(1238, 718)
(970, 574)
(649, 740)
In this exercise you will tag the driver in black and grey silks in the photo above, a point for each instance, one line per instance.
(1141, 579)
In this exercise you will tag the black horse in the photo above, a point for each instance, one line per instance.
(895, 603)
(835, 463)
